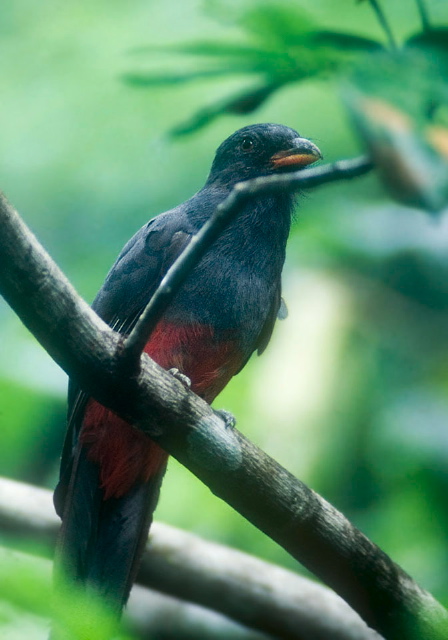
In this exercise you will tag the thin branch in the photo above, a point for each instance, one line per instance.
(149, 614)
(224, 213)
(384, 24)
(302, 522)
(423, 15)
(255, 593)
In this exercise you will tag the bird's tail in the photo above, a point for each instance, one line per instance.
(102, 537)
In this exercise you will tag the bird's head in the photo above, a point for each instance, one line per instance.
(261, 150)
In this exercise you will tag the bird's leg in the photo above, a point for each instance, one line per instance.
(180, 376)
(229, 418)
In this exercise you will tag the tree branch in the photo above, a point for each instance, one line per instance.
(309, 528)
(148, 614)
(224, 213)
(255, 593)
(151, 614)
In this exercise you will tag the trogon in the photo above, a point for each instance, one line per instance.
(111, 473)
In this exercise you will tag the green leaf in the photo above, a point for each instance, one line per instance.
(250, 100)
(148, 79)
(345, 41)
(225, 56)
(243, 103)
(436, 38)
(26, 585)
(205, 48)
(434, 45)
(276, 22)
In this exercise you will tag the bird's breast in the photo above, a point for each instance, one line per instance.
(229, 293)
(209, 356)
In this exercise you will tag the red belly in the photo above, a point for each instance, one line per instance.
(126, 455)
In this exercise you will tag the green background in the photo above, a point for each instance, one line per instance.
(351, 395)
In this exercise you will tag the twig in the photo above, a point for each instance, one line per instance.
(224, 213)
(309, 528)
(384, 24)
(151, 614)
(423, 15)
(255, 593)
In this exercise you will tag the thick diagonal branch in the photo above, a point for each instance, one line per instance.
(307, 526)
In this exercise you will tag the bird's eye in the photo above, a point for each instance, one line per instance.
(247, 144)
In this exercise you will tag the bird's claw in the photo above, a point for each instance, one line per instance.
(229, 418)
(180, 376)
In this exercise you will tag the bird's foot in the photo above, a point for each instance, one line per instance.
(180, 376)
(229, 418)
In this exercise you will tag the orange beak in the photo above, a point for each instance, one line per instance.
(302, 154)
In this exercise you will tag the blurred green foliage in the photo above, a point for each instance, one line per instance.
(25, 586)
(351, 395)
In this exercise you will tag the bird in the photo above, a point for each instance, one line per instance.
(111, 473)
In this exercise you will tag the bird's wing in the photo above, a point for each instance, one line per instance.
(129, 286)
(276, 311)
(138, 270)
